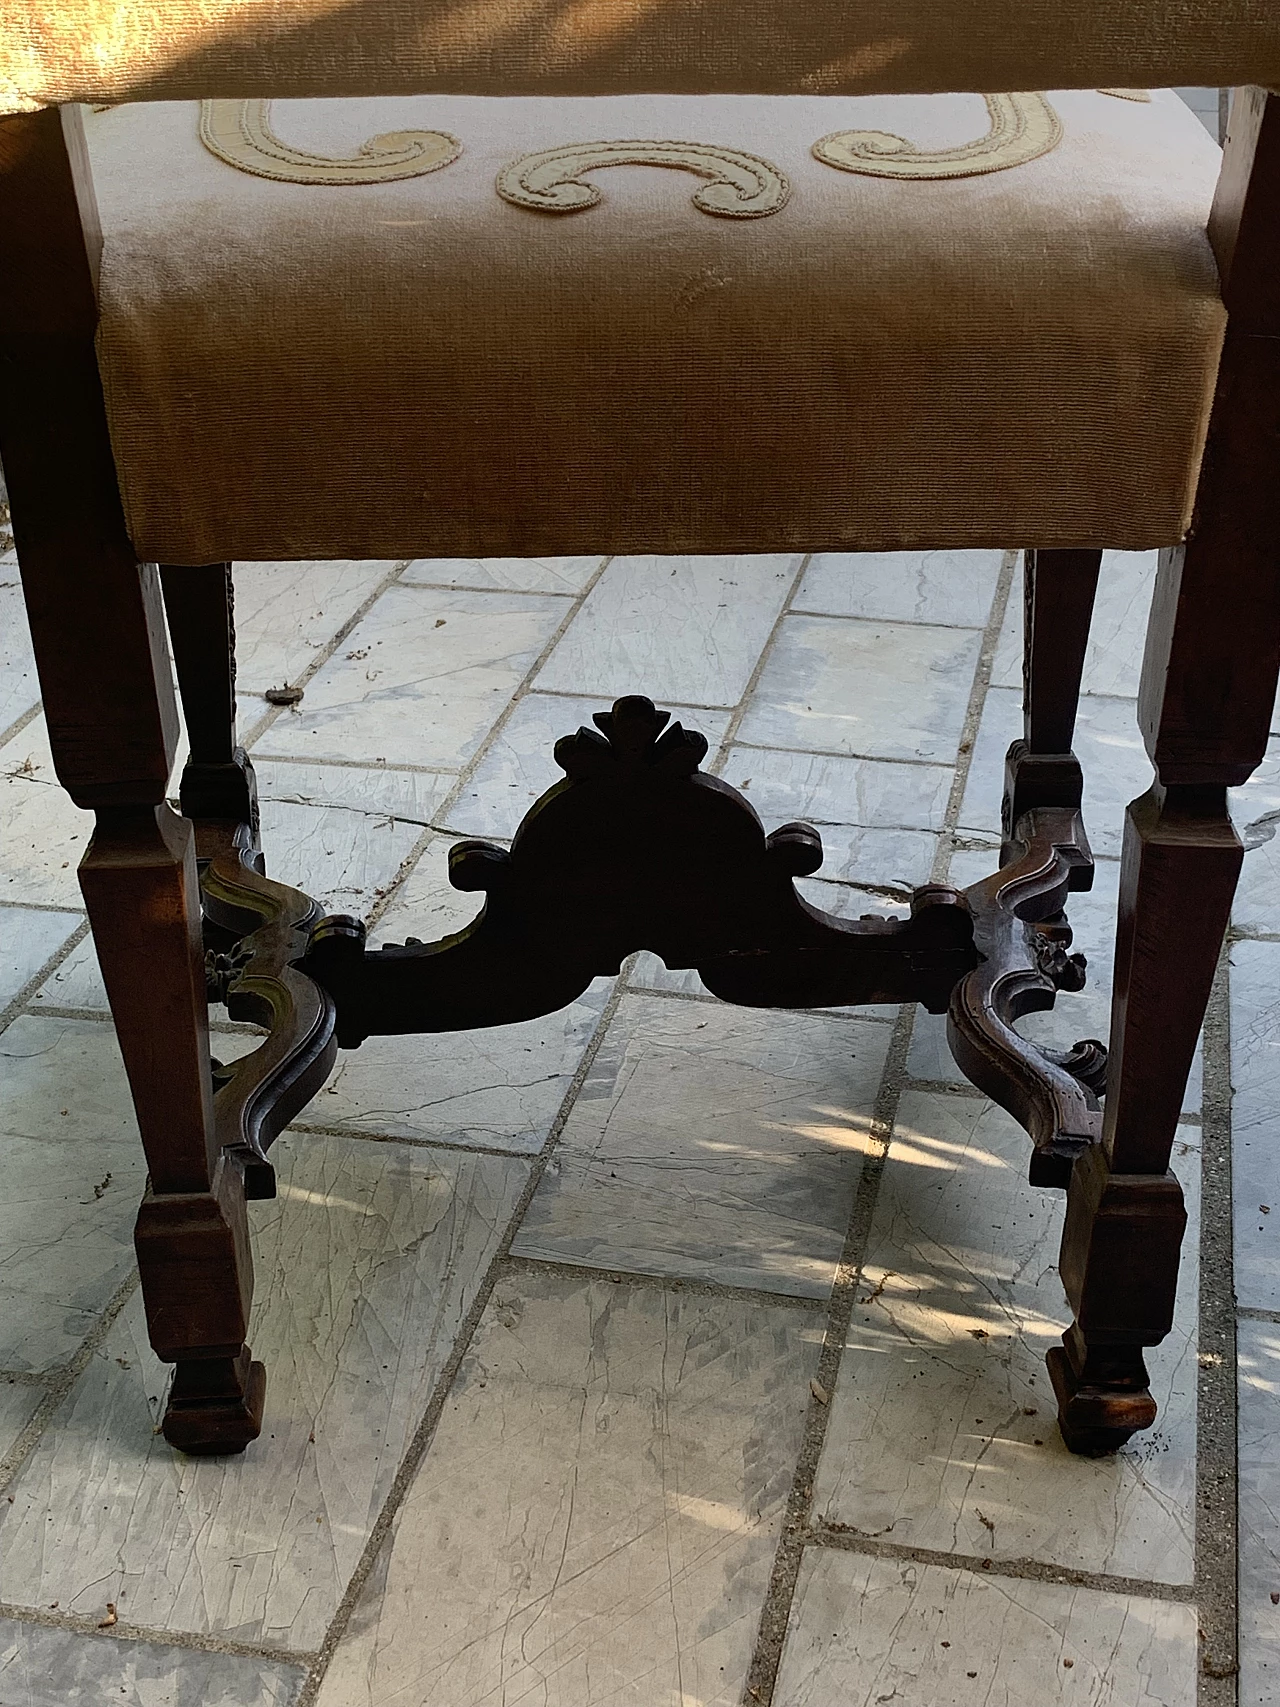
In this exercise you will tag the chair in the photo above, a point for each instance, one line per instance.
(506, 326)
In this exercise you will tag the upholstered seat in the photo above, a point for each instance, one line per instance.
(421, 367)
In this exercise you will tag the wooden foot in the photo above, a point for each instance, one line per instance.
(1101, 1403)
(215, 1404)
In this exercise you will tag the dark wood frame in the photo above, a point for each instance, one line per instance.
(98, 624)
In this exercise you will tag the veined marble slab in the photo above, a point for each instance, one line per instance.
(421, 679)
(42, 834)
(288, 612)
(45, 1667)
(876, 689)
(28, 940)
(868, 1631)
(1117, 633)
(952, 587)
(1255, 809)
(1255, 1121)
(715, 1143)
(942, 1431)
(383, 793)
(74, 1175)
(687, 629)
(366, 1263)
(1259, 1364)
(19, 689)
(596, 1519)
(834, 793)
(1108, 744)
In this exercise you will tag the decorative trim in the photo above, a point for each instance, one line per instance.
(240, 133)
(739, 185)
(1023, 127)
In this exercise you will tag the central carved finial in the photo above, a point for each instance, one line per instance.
(634, 735)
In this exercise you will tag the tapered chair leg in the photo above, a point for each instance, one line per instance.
(1041, 769)
(1208, 686)
(98, 629)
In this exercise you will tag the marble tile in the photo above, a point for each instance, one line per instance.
(1108, 745)
(77, 983)
(19, 689)
(688, 629)
(286, 613)
(411, 797)
(878, 689)
(346, 860)
(1117, 634)
(19, 1401)
(713, 1143)
(1255, 810)
(508, 574)
(366, 1264)
(1255, 1121)
(420, 681)
(42, 835)
(831, 792)
(597, 1516)
(954, 587)
(29, 939)
(426, 904)
(520, 764)
(876, 1630)
(1259, 1354)
(74, 1175)
(44, 1667)
(500, 1087)
(942, 1431)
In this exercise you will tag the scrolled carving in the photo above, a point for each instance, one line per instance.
(739, 185)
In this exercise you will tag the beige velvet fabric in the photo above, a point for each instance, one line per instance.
(421, 368)
(117, 50)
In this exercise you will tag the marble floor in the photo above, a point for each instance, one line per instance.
(655, 1353)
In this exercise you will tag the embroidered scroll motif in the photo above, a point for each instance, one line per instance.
(739, 185)
(1023, 127)
(240, 133)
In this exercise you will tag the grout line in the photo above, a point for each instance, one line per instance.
(513, 592)
(7, 906)
(45, 972)
(314, 1129)
(753, 680)
(973, 713)
(192, 1640)
(378, 765)
(831, 753)
(1248, 1313)
(1216, 1445)
(844, 1538)
(776, 1610)
(464, 776)
(62, 1381)
(418, 1446)
(885, 621)
(775, 1614)
(19, 724)
(273, 713)
(30, 1377)
(606, 698)
(662, 1282)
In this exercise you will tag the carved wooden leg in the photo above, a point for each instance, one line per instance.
(217, 780)
(98, 630)
(1041, 769)
(1208, 684)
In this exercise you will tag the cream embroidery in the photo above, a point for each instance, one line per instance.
(1023, 127)
(739, 185)
(240, 133)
